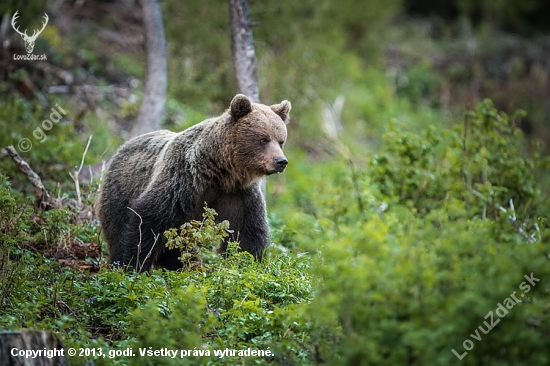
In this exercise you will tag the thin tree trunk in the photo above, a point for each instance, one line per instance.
(244, 55)
(152, 105)
(154, 94)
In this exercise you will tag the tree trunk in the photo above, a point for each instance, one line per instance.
(154, 96)
(28, 340)
(154, 93)
(244, 56)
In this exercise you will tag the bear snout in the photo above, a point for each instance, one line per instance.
(280, 164)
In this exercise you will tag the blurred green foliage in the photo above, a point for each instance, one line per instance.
(393, 253)
(53, 149)
(476, 165)
(302, 58)
(414, 274)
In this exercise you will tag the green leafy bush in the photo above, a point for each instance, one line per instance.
(436, 247)
(474, 169)
(195, 239)
(403, 288)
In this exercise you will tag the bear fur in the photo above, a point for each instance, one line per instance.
(161, 180)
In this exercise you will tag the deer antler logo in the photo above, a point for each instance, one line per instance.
(29, 41)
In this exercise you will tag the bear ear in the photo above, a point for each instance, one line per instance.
(282, 110)
(240, 106)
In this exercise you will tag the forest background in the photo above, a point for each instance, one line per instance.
(414, 204)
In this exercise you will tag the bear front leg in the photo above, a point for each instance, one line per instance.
(142, 239)
(247, 216)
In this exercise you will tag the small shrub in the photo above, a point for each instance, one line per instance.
(197, 240)
(472, 170)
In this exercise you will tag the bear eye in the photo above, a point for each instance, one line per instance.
(281, 143)
(264, 140)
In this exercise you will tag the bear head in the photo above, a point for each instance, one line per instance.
(257, 137)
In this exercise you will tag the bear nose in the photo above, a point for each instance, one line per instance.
(281, 163)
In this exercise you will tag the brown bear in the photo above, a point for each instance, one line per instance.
(161, 180)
